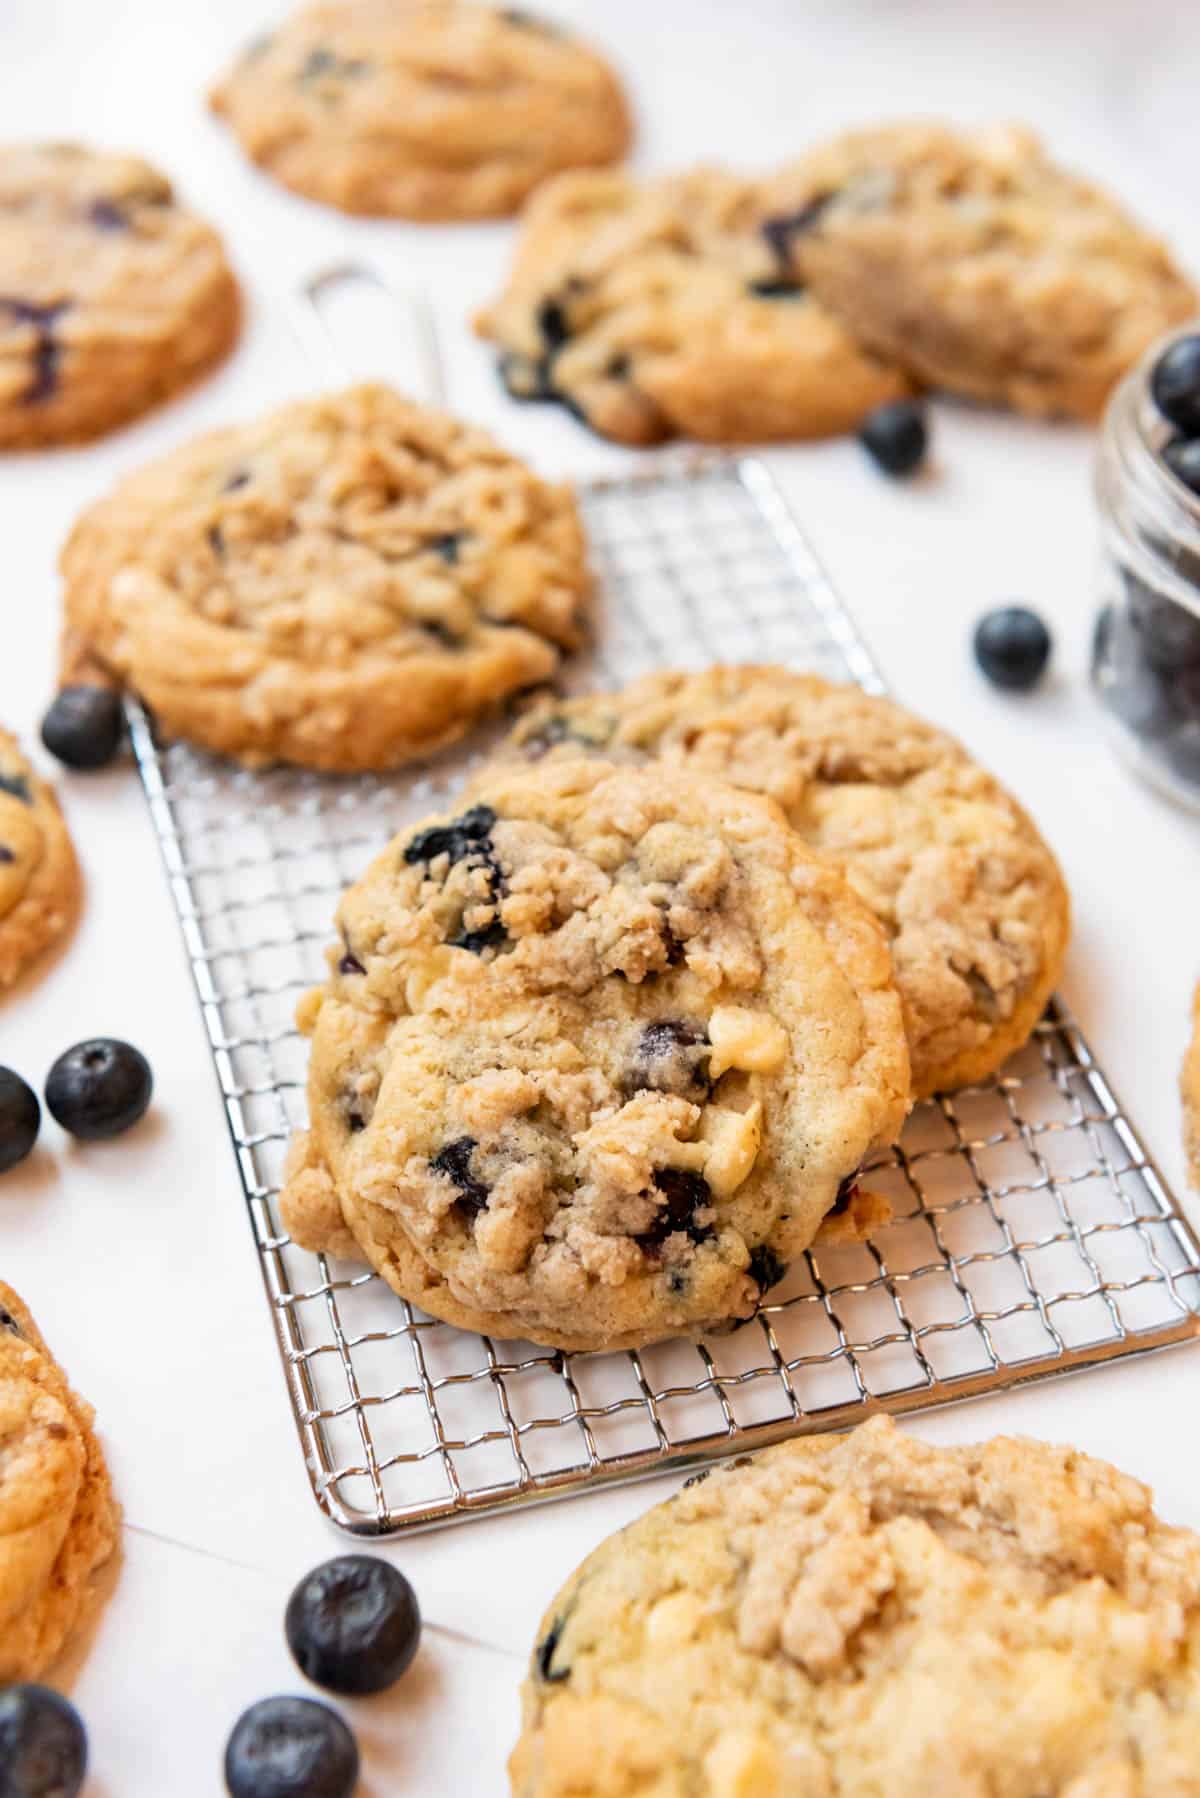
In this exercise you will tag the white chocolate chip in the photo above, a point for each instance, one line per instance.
(751, 1040)
(741, 1765)
(734, 1139)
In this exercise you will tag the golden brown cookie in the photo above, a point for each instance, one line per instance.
(58, 1520)
(1190, 1089)
(971, 898)
(39, 876)
(975, 262)
(347, 583)
(422, 111)
(655, 309)
(112, 294)
(601, 1051)
(848, 1617)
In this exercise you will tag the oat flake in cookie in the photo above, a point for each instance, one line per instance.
(346, 583)
(39, 876)
(594, 1058)
(655, 309)
(422, 111)
(972, 900)
(867, 1616)
(977, 263)
(112, 294)
(58, 1521)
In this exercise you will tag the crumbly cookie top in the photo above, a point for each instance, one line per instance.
(976, 261)
(970, 896)
(96, 254)
(659, 307)
(428, 111)
(602, 1041)
(38, 873)
(870, 1614)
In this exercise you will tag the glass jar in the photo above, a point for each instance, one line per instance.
(1146, 650)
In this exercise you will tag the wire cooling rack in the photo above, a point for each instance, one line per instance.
(1031, 1234)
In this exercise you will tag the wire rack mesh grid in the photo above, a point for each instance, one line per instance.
(1031, 1233)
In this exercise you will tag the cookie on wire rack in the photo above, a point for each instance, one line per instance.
(974, 905)
(595, 1058)
(113, 295)
(422, 111)
(872, 1614)
(58, 1519)
(39, 875)
(347, 583)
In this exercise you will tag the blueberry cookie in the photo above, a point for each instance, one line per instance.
(39, 876)
(1190, 1088)
(973, 261)
(868, 1614)
(112, 294)
(420, 111)
(58, 1521)
(654, 309)
(601, 1052)
(971, 898)
(347, 583)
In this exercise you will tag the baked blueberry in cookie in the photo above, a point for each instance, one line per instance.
(421, 111)
(112, 294)
(605, 1125)
(347, 583)
(39, 876)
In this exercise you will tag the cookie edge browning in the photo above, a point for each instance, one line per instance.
(317, 1218)
(92, 1534)
(211, 715)
(968, 1066)
(50, 906)
(432, 195)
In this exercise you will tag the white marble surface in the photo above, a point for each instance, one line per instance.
(136, 1256)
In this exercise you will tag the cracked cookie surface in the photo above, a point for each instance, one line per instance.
(974, 261)
(596, 1057)
(39, 876)
(58, 1521)
(112, 294)
(420, 111)
(872, 1615)
(347, 583)
(654, 309)
(970, 896)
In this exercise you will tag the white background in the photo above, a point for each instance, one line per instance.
(136, 1256)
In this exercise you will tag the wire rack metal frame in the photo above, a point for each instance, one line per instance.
(1032, 1234)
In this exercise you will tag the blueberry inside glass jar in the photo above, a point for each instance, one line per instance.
(1146, 649)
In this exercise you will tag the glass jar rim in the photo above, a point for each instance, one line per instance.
(1136, 432)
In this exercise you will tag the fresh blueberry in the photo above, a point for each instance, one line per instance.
(353, 1624)
(43, 1746)
(99, 1088)
(290, 1748)
(1012, 647)
(1169, 633)
(896, 435)
(20, 1119)
(1182, 457)
(1175, 384)
(83, 726)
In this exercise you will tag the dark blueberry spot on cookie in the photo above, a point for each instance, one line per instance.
(216, 540)
(350, 964)
(552, 323)
(981, 993)
(547, 736)
(321, 63)
(526, 378)
(239, 478)
(530, 21)
(17, 786)
(617, 367)
(845, 1192)
(784, 228)
(677, 1281)
(776, 287)
(671, 1056)
(46, 347)
(766, 1268)
(674, 946)
(492, 936)
(9, 1322)
(6, 854)
(545, 1652)
(447, 546)
(356, 1119)
(683, 1195)
(454, 1163)
(468, 835)
(442, 635)
(106, 215)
